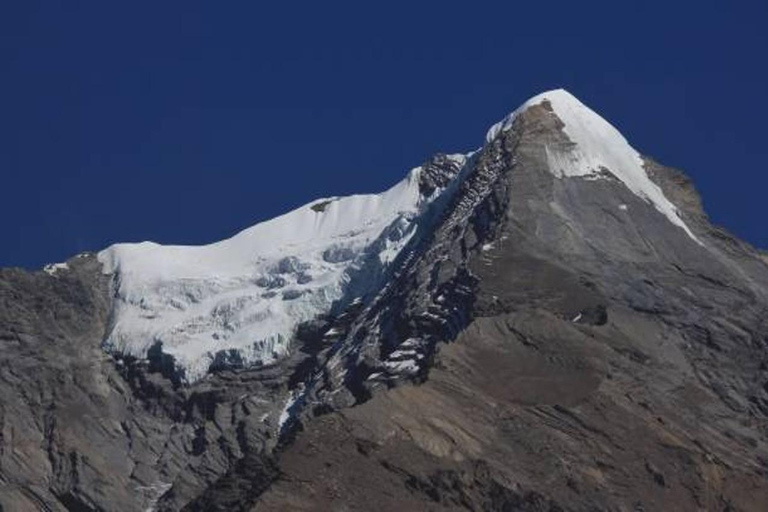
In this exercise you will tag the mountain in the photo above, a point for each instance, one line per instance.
(548, 323)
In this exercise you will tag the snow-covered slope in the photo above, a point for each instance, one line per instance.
(598, 146)
(241, 299)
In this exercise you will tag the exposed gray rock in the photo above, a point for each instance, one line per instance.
(338, 254)
(270, 282)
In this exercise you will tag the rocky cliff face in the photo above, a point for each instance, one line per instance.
(557, 335)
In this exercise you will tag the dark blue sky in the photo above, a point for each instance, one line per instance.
(182, 123)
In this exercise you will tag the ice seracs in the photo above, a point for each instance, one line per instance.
(600, 150)
(240, 300)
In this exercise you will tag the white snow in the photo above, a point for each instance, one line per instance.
(249, 293)
(598, 146)
(407, 366)
(285, 413)
(411, 342)
(401, 354)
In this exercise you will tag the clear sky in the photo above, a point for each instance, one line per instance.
(180, 122)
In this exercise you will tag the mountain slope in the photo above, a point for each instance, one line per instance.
(549, 323)
(607, 359)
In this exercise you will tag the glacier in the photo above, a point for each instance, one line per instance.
(242, 298)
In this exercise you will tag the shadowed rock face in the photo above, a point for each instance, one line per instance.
(545, 344)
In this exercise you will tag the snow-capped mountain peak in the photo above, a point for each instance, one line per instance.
(598, 149)
(239, 301)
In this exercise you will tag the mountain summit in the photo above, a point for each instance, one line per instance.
(549, 322)
(241, 300)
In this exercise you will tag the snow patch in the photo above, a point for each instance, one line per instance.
(333, 331)
(407, 366)
(285, 414)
